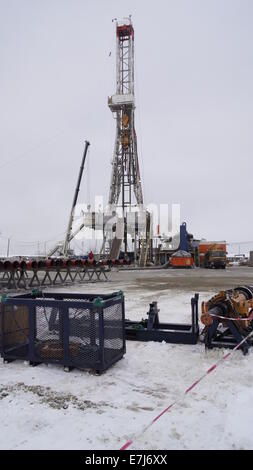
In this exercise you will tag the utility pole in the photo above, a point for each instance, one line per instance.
(8, 247)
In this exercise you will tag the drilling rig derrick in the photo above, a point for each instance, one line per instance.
(125, 188)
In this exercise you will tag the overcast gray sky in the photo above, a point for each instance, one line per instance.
(194, 116)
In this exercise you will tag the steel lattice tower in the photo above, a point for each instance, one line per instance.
(125, 177)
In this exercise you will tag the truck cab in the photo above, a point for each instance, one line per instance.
(215, 259)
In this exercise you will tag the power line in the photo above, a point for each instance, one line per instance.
(240, 243)
(22, 242)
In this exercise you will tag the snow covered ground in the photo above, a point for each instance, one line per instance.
(47, 408)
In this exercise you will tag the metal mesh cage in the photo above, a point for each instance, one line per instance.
(84, 340)
(113, 333)
(48, 340)
(70, 329)
(15, 330)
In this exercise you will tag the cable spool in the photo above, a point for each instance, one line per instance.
(229, 314)
(247, 291)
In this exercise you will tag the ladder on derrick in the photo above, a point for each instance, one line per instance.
(115, 248)
(145, 245)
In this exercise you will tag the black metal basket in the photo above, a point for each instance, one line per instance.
(75, 330)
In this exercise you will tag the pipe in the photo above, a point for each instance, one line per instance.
(69, 263)
(32, 264)
(49, 263)
(15, 265)
(7, 265)
(23, 265)
(41, 264)
(78, 262)
(58, 263)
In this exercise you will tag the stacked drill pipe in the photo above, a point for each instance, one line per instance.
(228, 318)
(15, 274)
(49, 272)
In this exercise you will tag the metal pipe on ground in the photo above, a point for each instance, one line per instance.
(32, 264)
(7, 265)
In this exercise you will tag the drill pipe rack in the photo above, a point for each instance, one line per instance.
(50, 272)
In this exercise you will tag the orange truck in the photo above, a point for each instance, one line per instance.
(212, 254)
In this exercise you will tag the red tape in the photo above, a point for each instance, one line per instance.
(249, 318)
(211, 369)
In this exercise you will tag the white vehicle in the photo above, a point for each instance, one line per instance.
(237, 260)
